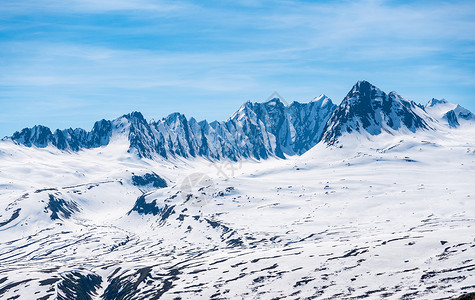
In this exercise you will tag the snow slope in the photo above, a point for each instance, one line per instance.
(448, 113)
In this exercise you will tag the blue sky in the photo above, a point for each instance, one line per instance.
(69, 63)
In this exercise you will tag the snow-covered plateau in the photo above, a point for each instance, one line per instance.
(374, 198)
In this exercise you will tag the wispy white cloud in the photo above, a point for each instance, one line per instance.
(79, 65)
(347, 27)
(91, 6)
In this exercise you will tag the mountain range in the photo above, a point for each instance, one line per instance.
(258, 130)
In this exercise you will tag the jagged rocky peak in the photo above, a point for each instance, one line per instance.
(135, 117)
(252, 108)
(247, 110)
(463, 113)
(126, 124)
(395, 95)
(364, 92)
(367, 109)
(174, 118)
(322, 100)
(274, 102)
(100, 134)
(434, 101)
(39, 136)
(458, 115)
(448, 113)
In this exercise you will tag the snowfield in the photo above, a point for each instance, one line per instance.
(387, 216)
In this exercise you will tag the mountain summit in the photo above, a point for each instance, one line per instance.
(368, 109)
(448, 113)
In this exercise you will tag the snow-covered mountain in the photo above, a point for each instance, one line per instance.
(258, 130)
(448, 113)
(181, 209)
(368, 109)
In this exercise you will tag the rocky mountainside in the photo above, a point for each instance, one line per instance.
(368, 109)
(448, 113)
(258, 130)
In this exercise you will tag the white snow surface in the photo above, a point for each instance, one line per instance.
(387, 216)
(438, 108)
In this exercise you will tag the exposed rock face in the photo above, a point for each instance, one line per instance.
(446, 112)
(367, 108)
(257, 130)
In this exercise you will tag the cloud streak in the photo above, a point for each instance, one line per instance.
(23, 7)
